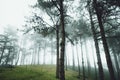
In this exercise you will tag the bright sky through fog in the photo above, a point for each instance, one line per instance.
(12, 12)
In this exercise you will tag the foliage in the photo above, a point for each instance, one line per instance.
(8, 46)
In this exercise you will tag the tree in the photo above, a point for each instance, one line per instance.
(100, 67)
(73, 57)
(114, 50)
(4, 41)
(83, 68)
(8, 46)
(62, 54)
(102, 32)
(78, 59)
(59, 6)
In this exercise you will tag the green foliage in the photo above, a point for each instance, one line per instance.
(114, 2)
(44, 4)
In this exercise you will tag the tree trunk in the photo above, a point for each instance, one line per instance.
(2, 52)
(32, 53)
(78, 61)
(34, 58)
(18, 56)
(100, 67)
(96, 78)
(51, 51)
(22, 58)
(44, 53)
(87, 57)
(83, 69)
(73, 59)
(116, 64)
(66, 64)
(118, 57)
(38, 54)
(57, 45)
(105, 45)
(62, 54)
(7, 58)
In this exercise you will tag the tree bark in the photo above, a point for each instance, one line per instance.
(78, 61)
(44, 54)
(18, 57)
(66, 64)
(2, 52)
(83, 68)
(100, 67)
(62, 54)
(96, 78)
(116, 64)
(52, 50)
(87, 57)
(73, 58)
(7, 58)
(105, 45)
(57, 62)
(38, 54)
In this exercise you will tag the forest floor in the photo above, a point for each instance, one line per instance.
(43, 72)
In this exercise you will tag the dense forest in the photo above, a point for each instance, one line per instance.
(80, 36)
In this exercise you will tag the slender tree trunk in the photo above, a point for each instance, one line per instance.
(78, 61)
(66, 68)
(44, 52)
(83, 69)
(7, 59)
(100, 67)
(38, 54)
(116, 64)
(96, 78)
(119, 59)
(68, 61)
(2, 52)
(57, 45)
(22, 58)
(62, 54)
(87, 57)
(32, 57)
(51, 51)
(105, 45)
(73, 59)
(18, 56)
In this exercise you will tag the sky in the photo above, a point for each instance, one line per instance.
(12, 12)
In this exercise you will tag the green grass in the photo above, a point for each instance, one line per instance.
(43, 72)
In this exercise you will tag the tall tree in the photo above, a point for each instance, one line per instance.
(57, 44)
(73, 57)
(83, 67)
(78, 59)
(100, 67)
(99, 13)
(62, 54)
(87, 57)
